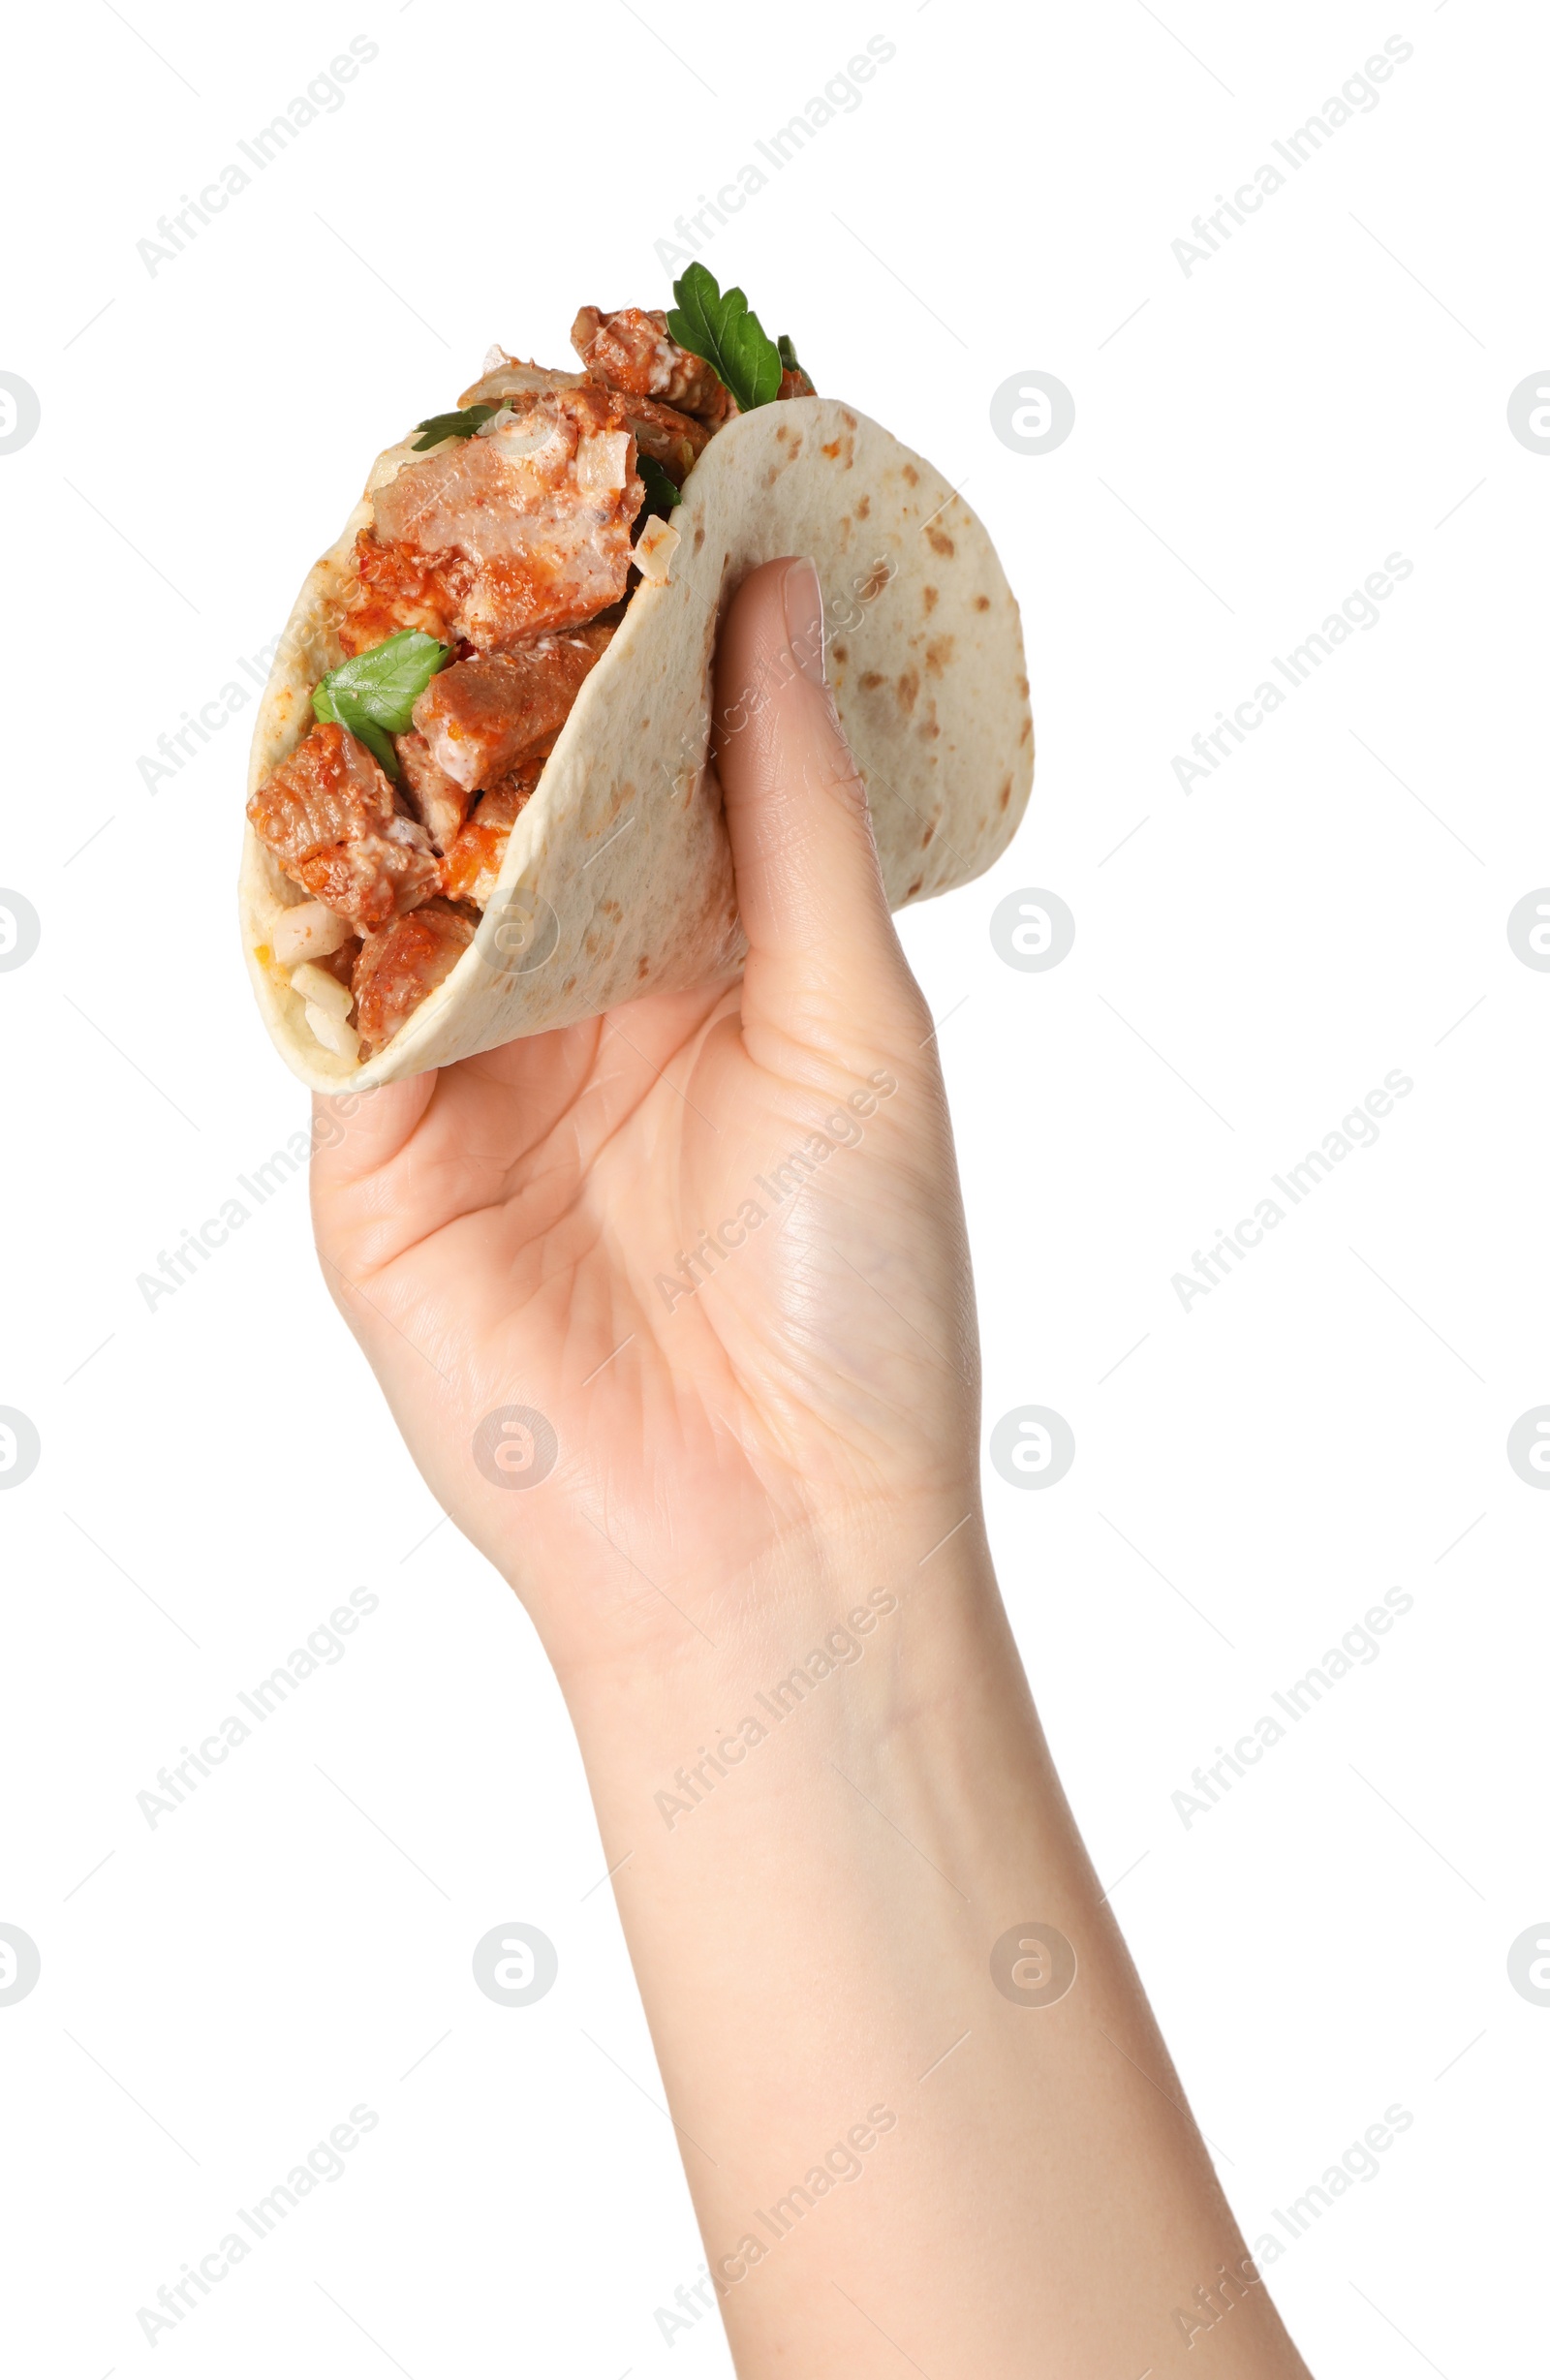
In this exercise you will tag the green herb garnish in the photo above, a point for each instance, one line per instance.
(724, 334)
(456, 425)
(662, 493)
(787, 352)
(373, 694)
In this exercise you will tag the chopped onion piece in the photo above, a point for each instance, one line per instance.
(333, 1032)
(309, 931)
(321, 990)
(654, 550)
(601, 462)
(494, 361)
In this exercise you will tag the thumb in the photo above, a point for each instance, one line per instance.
(809, 888)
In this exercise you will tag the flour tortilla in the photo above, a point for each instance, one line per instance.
(618, 878)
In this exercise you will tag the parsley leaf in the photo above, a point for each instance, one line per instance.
(787, 352)
(662, 492)
(455, 425)
(724, 334)
(373, 694)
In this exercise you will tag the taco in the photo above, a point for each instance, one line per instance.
(481, 798)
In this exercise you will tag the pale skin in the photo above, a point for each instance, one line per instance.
(812, 1908)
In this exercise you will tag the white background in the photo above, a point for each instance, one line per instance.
(1329, 1423)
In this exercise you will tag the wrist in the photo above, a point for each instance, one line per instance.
(820, 1665)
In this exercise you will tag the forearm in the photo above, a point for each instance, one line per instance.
(818, 1870)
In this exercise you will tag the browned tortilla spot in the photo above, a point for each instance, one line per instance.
(912, 475)
(909, 687)
(870, 680)
(981, 603)
(915, 887)
(928, 598)
(863, 510)
(938, 654)
(1005, 795)
(940, 541)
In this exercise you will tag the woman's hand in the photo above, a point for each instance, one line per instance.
(825, 1801)
(714, 1239)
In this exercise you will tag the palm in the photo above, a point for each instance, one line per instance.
(518, 1237)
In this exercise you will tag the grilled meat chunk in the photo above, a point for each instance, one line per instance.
(631, 352)
(401, 963)
(674, 440)
(440, 801)
(538, 506)
(482, 716)
(327, 816)
(396, 587)
(474, 857)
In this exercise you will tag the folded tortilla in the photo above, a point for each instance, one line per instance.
(617, 879)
